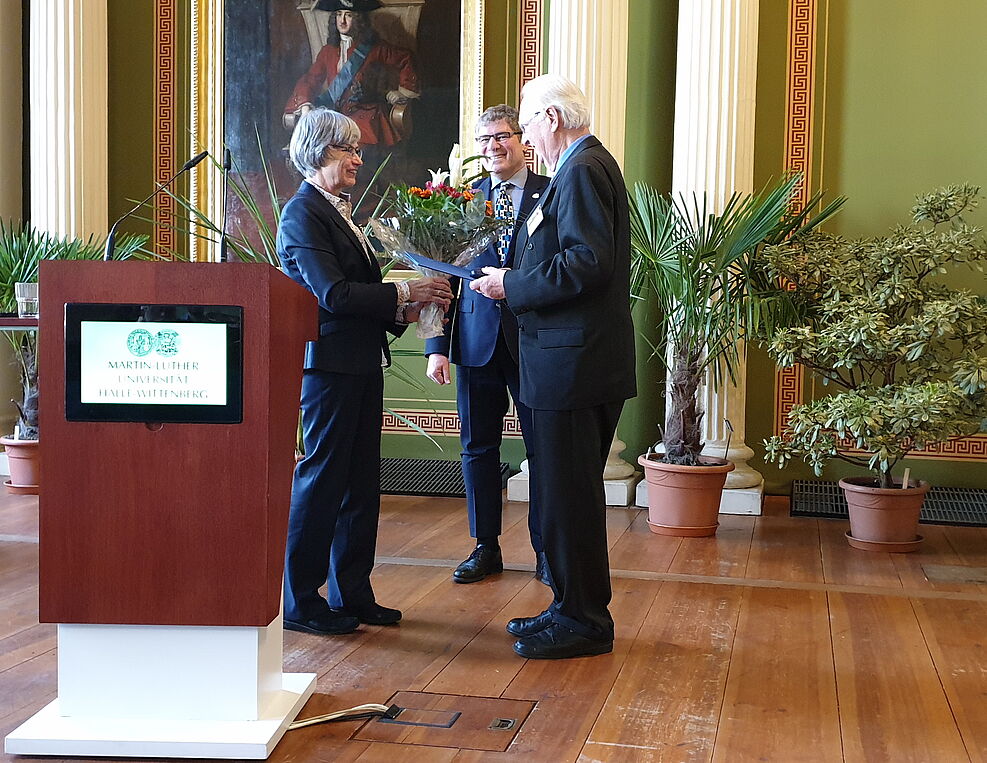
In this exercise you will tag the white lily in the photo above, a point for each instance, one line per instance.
(456, 166)
(438, 177)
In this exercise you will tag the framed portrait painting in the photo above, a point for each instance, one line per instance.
(406, 71)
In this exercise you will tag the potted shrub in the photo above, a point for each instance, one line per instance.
(22, 248)
(699, 267)
(906, 352)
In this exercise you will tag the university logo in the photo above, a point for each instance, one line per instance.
(141, 342)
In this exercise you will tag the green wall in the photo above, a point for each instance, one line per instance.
(900, 109)
(652, 32)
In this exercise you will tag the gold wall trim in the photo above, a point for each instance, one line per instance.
(800, 128)
(164, 119)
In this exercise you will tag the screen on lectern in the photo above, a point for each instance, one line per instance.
(154, 363)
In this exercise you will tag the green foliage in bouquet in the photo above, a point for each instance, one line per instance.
(701, 267)
(908, 353)
(22, 249)
(441, 221)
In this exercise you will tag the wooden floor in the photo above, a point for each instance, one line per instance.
(772, 642)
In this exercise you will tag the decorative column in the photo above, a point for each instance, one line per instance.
(68, 75)
(714, 154)
(587, 42)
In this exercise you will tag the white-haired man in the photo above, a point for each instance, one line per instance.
(569, 290)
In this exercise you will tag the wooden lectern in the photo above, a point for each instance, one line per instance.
(162, 544)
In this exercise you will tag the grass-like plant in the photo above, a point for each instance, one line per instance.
(22, 249)
(906, 352)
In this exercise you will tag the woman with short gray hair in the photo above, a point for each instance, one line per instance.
(335, 501)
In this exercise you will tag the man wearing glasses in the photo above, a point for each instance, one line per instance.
(481, 339)
(569, 289)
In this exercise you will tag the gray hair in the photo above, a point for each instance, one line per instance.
(560, 93)
(315, 133)
(500, 113)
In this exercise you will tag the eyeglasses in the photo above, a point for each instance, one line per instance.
(357, 152)
(525, 125)
(498, 137)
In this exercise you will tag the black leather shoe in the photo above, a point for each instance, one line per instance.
(329, 624)
(556, 642)
(482, 562)
(528, 626)
(542, 573)
(372, 614)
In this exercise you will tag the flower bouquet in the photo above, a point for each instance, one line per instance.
(444, 221)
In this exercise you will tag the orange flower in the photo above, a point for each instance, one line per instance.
(468, 195)
(489, 206)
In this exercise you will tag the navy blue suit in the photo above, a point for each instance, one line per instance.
(335, 500)
(481, 339)
(569, 290)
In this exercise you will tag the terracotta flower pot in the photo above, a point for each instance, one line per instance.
(883, 519)
(22, 457)
(684, 501)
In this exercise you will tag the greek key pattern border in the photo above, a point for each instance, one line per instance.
(799, 116)
(530, 17)
(798, 157)
(438, 423)
(165, 36)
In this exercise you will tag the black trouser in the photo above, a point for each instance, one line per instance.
(571, 449)
(335, 497)
(481, 396)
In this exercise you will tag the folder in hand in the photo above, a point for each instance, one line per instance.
(422, 261)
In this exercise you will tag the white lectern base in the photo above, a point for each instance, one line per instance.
(48, 733)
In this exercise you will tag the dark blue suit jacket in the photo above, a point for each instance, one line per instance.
(475, 321)
(569, 288)
(319, 251)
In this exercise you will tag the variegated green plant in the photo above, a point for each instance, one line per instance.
(907, 353)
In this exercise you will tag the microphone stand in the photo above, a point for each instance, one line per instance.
(223, 239)
(111, 237)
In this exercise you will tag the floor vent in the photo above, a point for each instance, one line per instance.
(419, 476)
(943, 505)
(446, 720)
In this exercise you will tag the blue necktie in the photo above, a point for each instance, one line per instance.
(504, 210)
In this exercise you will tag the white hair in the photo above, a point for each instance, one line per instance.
(560, 93)
(315, 133)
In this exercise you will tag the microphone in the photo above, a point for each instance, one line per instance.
(108, 252)
(227, 165)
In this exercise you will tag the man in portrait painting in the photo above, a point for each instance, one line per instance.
(359, 75)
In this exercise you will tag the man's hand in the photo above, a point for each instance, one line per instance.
(435, 289)
(492, 284)
(438, 369)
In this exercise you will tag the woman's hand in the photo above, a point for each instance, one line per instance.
(434, 289)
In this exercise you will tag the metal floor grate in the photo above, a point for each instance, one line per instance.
(943, 505)
(419, 476)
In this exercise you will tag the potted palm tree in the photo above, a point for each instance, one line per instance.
(700, 267)
(906, 352)
(22, 248)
